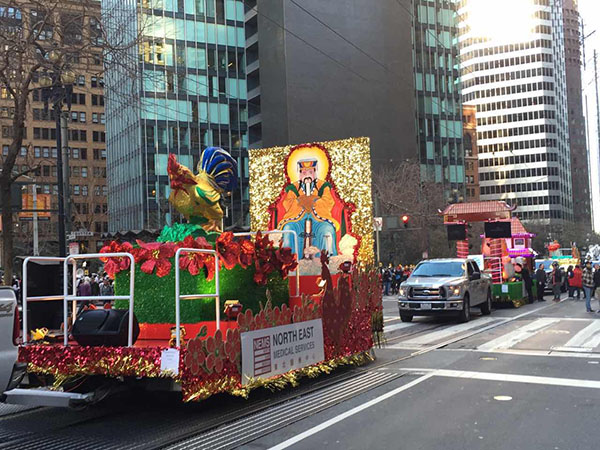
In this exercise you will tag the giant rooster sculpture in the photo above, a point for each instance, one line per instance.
(198, 196)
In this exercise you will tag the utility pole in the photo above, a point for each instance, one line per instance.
(597, 103)
(36, 249)
(64, 134)
(62, 236)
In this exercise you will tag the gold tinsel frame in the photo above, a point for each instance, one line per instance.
(350, 171)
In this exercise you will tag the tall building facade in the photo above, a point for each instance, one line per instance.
(87, 199)
(182, 89)
(580, 172)
(471, 155)
(438, 94)
(322, 70)
(513, 72)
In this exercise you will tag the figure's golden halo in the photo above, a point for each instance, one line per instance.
(307, 152)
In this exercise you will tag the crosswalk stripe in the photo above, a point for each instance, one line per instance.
(511, 339)
(585, 337)
(397, 326)
(446, 332)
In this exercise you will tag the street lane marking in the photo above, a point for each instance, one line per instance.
(397, 326)
(511, 339)
(349, 413)
(517, 352)
(510, 378)
(588, 337)
(435, 336)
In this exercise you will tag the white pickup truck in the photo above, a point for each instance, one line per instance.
(11, 372)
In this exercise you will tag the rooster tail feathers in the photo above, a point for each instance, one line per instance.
(219, 164)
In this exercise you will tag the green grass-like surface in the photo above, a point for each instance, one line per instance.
(154, 297)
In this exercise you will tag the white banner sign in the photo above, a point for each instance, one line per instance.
(273, 351)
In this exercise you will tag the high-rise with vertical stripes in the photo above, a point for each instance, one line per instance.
(182, 89)
(513, 72)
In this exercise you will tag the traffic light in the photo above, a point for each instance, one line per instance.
(405, 220)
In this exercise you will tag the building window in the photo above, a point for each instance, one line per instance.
(84, 190)
(84, 172)
(76, 189)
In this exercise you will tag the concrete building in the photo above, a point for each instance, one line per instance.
(87, 151)
(516, 80)
(321, 70)
(580, 173)
(471, 155)
(182, 89)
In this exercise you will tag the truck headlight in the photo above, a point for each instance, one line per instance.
(402, 292)
(454, 290)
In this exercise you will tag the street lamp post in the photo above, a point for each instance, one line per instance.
(57, 88)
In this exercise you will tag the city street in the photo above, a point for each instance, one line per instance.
(520, 378)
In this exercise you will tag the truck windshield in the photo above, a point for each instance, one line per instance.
(439, 269)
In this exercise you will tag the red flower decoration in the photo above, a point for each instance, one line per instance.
(228, 250)
(215, 353)
(194, 358)
(233, 345)
(113, 266)
(155, 256)
(245, 320)
(286, 261)
(194, 262)
(246, 253)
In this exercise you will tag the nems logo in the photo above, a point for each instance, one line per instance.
(262, 355)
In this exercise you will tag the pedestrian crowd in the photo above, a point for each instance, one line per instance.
(392, 276)
(577, 281)
(94, 286)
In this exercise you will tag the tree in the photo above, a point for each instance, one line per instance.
(399, 190)
(37, 37)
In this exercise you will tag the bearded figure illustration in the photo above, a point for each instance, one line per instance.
(308, 203)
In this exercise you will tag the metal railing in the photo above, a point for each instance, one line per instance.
(26, 298)
(253, 233)
(179, 297)
(75, 298)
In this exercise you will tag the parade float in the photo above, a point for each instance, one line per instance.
(505, 243)
(211, 311)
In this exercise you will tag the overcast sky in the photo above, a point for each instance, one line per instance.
(590, 13)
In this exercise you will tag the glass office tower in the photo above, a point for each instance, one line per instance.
(182, 89)
(437, 79)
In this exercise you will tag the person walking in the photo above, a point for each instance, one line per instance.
(540, 279)
(387, 280)
(526, 277)
(95, 286)
(568, 281)
(596, 279)
(588, 285)
(556, 281)
(576, 282)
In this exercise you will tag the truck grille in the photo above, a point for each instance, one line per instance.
(424, 292)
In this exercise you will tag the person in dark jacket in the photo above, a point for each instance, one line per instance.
(540, 279)
(526, 277)
(556, 280)
(568, 281)
(596, 279)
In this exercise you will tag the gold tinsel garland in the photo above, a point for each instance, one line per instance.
(350, 171)
(292, 378)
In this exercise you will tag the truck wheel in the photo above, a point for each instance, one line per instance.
(486, 308)
(465, 314)
(406, 317)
